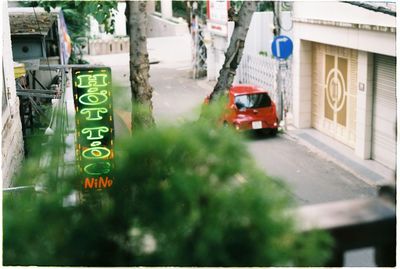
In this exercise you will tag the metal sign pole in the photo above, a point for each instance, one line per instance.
(279, 92)
(279, 75)
(282, 76)
(282, 48)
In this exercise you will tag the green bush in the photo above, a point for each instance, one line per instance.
(182, 196)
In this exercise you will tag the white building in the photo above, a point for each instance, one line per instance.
(158, 25)
(344, 75)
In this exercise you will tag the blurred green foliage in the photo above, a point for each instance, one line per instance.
(158, 6)
(77, 14)
(265, 6)
(179, 9)
(183, 196)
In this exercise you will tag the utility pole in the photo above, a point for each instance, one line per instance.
(282, 68)
(277, 30)
(195, 36)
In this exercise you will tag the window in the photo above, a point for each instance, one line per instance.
(253, 100)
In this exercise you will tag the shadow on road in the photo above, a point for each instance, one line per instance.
(256, 135)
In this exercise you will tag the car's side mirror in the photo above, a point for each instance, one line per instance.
(234, 107)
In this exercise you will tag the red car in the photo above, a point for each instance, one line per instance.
(250, 108)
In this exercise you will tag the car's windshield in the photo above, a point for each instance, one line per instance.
(256, 100)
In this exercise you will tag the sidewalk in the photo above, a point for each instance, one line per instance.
(370, 171)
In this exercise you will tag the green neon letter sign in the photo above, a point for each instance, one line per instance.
(96, 153)
(93, 99)
(95, 133)
(88, 81)
(94, 125)
(99, 168)
(94, 113)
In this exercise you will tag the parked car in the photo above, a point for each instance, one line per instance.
(250, 108)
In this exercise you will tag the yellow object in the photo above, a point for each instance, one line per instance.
(19, 70)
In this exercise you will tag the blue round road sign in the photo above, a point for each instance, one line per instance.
(282, 47)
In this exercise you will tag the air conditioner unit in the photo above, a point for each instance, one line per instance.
(28, 47)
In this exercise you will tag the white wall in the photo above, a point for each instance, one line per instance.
(120, 20)
(345, 25)
(340, 12)
(260, 34)
(160, 27)
(166, 8)
(12, 144)
(259, 38)
(354, 38)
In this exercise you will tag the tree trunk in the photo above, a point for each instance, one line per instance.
(235, 50)
(142, 107)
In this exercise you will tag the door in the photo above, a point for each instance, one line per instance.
(334, 92)
(384, 111)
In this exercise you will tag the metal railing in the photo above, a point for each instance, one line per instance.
(51, 158)
(355, 224)
(262, 71)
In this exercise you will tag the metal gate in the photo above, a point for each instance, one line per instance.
(384, 111)
(334, 92)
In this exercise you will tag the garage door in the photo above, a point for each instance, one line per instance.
(384, 113)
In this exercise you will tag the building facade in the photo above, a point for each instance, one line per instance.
(12, 144)
(344, 75)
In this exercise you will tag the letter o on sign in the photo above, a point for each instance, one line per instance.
(93, 99)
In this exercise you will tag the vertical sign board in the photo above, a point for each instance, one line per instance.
(94, 127)
(217, 14)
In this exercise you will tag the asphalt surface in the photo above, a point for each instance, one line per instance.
(310, 178)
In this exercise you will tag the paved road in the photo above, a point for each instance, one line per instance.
(309, 178)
